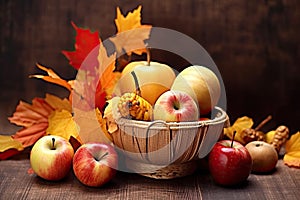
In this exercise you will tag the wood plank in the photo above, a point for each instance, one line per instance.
(16, 183)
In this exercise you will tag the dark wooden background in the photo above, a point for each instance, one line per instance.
(255, 44)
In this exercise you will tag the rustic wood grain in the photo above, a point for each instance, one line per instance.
(16, 183)
(255, 45)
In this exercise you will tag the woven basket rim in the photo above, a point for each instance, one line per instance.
(160, 124)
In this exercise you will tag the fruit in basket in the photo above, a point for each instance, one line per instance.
(135, 107)
(152, 79)
(200, 83)
(51, 157)
(175, 106)
(94, 164)
(264, 156)
(229, 163)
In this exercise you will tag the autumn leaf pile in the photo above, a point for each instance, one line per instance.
(79, 117)
(242, 130)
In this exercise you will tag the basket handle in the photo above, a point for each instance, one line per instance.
(158, 122)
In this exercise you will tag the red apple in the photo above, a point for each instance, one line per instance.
(175, 106)
(51, 157)
(229, 165)
(94, 164)
(264, 156)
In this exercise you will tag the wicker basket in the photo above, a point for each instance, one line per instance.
(167, 150)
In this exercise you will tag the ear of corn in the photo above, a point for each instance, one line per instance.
(135, 107)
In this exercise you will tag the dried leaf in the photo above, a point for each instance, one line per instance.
(111, 114)
(8, 153)
(26, 115)
(85, 45)
(108, 77)
(292, 148)
(52, 77)
(90, 123)
(29, 135)
(131, 33)
(7, 142)
(239, 125)
(84, 89)
(57, 103)
(62, 123)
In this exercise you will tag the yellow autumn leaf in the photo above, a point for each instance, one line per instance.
(131, 33)
(239, 125)
(90, 125)
(7, 142)
(58, 103)
(292, 148)
(62, 123)
(269, 136)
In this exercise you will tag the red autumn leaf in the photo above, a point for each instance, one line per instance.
(8, 153)
(85, 45)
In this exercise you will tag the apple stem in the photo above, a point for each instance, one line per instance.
(148, 56)
(234, 132)
(102, 156)
(263, 123)
(53, 142)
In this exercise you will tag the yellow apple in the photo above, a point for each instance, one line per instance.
(153, 79)
(201, 84)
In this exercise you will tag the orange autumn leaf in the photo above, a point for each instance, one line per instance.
(61, 123)
(131, 33)
(292, 148)
(86, 41)
(106, 72)
(52, 77)
(7, 142)
(27, 114)
(91, 126)
(29, 135)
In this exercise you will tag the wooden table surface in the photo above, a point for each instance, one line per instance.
(17, 183)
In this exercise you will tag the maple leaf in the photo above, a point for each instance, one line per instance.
(292, 148)
(7, 142)
(26, 115)
(61, 123)
(85, 45)
(108, 77)
(57, 103)
(91, 90)
(131, 33)
(52, 77)
(90, 124)
(29, 135)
